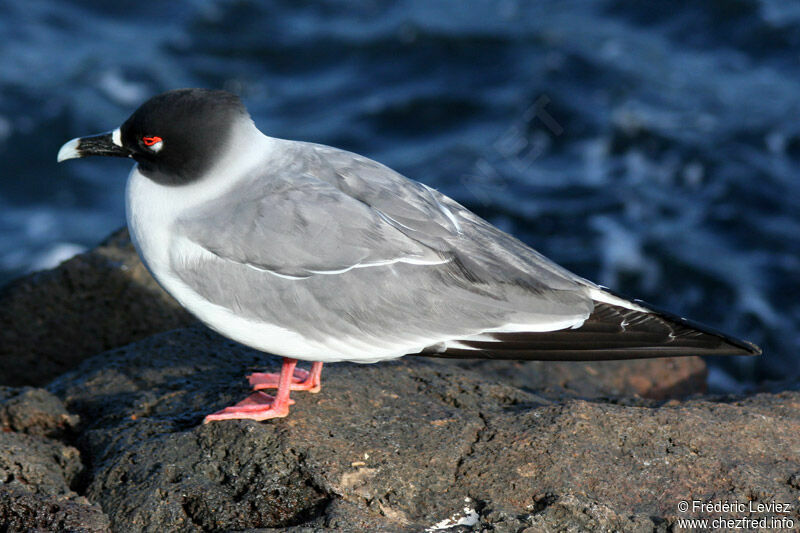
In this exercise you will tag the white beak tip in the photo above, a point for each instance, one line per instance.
(69, 150)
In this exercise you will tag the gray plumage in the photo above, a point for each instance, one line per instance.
(287, 241)
(326, 210)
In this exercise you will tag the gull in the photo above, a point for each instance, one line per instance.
(318, 254)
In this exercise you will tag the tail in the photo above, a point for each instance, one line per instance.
(616, 329)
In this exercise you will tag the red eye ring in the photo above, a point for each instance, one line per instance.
(150, 141)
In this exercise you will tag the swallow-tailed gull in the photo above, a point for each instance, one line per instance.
(315, 253)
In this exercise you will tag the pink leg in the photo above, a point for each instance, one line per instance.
(261, 406)
(301, 379)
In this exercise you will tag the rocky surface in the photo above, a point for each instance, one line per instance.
(35, 412)
(117, 443)
(38, 473)
(405, 445)
(658, 379)
(104, 298)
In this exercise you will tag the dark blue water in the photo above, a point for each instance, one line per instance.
(653, 147)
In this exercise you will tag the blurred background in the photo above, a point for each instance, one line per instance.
(651, 147)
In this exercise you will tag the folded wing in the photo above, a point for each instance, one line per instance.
(370, 265)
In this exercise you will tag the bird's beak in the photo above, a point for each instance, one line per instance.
(109, 143)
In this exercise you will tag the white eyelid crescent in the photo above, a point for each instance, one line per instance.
(116, 137)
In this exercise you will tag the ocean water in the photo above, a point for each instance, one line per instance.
(653, 147)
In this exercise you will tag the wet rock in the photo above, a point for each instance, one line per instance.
(658, 379)
(51, 320)
(30, 461)
(38, 465)
(38, 475)
(23, 511)
(575, 513)
(406, 445)
(35, 412)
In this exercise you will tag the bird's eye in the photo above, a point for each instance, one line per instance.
(154, 143)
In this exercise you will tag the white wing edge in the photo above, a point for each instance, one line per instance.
(408, 260)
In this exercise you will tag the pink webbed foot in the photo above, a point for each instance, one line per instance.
(301, 379)
(262, 406)
(257, 406)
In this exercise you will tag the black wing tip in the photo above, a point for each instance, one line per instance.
(651, 333)
(747, 348)
(737, 346)
(576, 355)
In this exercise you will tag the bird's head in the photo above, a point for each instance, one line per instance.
(174, 137)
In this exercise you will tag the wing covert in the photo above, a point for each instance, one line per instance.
(299, 229)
